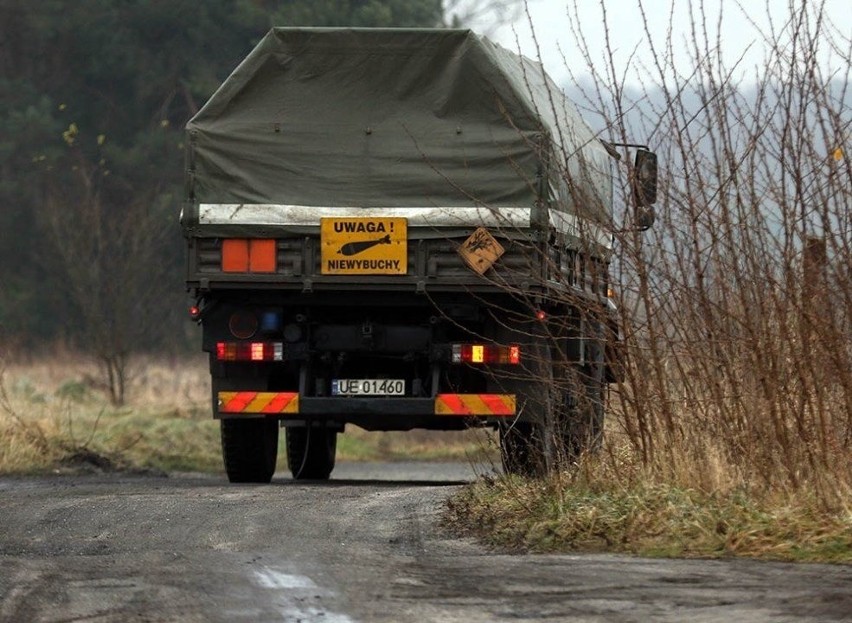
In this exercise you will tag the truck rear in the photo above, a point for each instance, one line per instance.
(396, 229)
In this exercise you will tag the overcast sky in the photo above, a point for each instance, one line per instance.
(551, 24)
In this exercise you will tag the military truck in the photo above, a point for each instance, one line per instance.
(398, 229)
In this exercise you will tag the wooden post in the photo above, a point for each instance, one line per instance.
(814, 261)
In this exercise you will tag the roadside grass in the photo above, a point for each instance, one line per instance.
(474, 445)
(54, 417)
(592, 508)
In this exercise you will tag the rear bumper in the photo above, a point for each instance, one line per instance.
(283, 405)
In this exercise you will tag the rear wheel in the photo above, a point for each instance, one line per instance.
(561, 415)
(521, 449)
(585, 413)
(525, 445)
(249, 449)
(311, 452)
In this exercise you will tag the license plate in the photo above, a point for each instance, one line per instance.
(368, 387)
(364, 246)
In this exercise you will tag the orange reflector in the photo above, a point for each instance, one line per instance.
(475, 404)
(235, 255)
(241, 256)
(262, 256)
(258, 402)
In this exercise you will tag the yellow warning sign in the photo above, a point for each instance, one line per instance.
(364, 246)
(481, 250)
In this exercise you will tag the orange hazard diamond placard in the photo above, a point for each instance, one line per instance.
(481, 250)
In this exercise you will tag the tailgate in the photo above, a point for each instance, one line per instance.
(314, 248)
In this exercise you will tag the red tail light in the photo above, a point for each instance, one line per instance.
(250, 351)
(514, 354)
(486, 354)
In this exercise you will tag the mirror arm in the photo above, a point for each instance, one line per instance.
(610, 149)
(634, 145)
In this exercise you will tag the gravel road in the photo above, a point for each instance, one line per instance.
(364, 547)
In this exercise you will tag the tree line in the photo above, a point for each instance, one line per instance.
(95, 94)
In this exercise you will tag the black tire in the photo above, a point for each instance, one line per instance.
(562, 418)
(584, 414)
(249, 449)
(311, 452)
(524, 446)
(521, 449)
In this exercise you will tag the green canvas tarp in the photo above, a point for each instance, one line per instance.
(389, 118)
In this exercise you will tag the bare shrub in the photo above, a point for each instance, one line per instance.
(736, 310)
(110, 255)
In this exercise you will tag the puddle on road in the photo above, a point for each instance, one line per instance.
(296, 596)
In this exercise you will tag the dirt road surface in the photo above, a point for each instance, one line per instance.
(364, 547)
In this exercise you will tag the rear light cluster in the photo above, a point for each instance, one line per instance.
(486, 353)
(250, 351)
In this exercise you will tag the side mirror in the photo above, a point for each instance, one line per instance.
(644, 187)
(645, 178)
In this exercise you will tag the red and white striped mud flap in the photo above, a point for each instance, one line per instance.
(475, 404)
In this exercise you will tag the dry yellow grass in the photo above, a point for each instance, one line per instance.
(592, 509)
(691, 500)
(54, 414)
